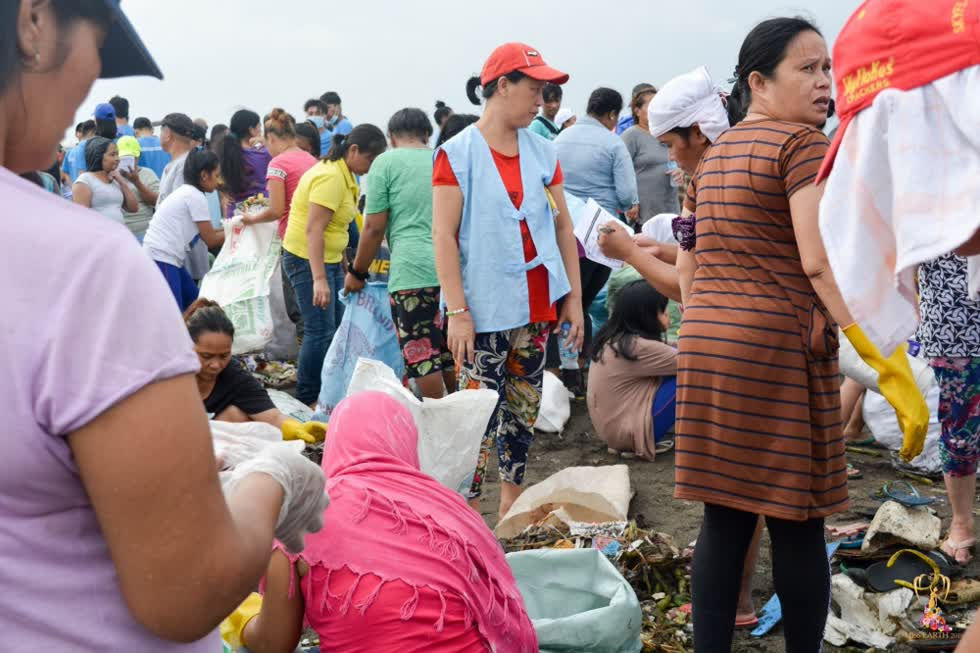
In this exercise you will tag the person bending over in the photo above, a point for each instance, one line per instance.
(229, 392)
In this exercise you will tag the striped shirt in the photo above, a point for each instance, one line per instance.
(758, 411)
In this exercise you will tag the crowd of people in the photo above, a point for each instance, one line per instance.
(126, 537)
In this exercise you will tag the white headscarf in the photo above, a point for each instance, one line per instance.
(686, 100)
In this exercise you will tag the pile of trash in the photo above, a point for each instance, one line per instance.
(893, 584)
(585, 508)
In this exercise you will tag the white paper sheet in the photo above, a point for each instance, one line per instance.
(588, 221)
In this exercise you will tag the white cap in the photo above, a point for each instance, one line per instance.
(564, 115)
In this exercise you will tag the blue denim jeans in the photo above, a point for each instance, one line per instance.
(319, 324)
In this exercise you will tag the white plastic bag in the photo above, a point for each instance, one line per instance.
(587, 494)
(880, 418)
(450, 429)
(283, 345)
(240, 281)
(854, 367)
(290, 406)
(556, 408)
(235, 441)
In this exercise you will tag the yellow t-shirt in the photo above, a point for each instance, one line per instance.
(331, 185)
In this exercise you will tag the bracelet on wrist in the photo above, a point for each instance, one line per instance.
(458, 311)
(360, 276)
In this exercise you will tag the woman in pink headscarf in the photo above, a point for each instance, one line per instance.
(402, 563)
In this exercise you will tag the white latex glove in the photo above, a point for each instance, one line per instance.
(302, 481)
(236, 220)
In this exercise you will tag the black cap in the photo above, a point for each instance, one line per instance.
(180, 123)
(123, 53)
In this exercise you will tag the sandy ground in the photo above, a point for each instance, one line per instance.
(653, 483)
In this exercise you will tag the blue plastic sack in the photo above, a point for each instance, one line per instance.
(367, 330)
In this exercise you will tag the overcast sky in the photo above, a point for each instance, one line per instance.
(382, 55)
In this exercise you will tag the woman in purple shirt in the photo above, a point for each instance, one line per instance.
(115, 534)
(244, 160)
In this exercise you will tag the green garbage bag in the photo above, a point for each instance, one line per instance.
(578, 601)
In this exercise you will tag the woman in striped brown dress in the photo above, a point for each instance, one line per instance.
(758, 423)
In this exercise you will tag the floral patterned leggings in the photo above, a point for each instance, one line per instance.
(421, 331)
(510, 363)
(959, 414)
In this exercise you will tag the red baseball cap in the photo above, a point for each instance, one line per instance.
(519, 57)
(900, 44)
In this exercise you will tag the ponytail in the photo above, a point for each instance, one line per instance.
(368, 139)
(737, 103)
(338, 147)
(474, 83)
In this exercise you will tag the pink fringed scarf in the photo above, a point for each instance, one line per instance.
(389, 519)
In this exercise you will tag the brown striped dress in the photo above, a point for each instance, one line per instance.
(758, 396)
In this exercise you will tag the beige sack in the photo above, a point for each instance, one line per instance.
(587, 494)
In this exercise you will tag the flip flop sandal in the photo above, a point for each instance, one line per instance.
(747, 623)
(909, 498)
(869, 442)
(853, 472)
(664, 446)
(968, 545)
(852, 541)
(902, 570)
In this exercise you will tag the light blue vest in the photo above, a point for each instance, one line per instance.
(490, 246)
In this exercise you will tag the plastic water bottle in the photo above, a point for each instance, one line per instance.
(569, 356)
(671, 166)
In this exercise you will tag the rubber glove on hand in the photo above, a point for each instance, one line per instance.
(302, 481)
(898, 386)
(234, 624)
(309, 432)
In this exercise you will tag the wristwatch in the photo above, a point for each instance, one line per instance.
(360, 276)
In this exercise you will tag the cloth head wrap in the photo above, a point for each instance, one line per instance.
(94, 151)
(389, 519)
(686, 100)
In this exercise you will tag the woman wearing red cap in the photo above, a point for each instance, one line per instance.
(503, 257)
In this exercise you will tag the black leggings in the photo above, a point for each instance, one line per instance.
(801, 575)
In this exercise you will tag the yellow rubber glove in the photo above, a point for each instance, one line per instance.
(309, 432)
(898, 386)
(234, 624)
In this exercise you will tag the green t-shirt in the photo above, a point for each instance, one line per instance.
(400, 182)
(541, 129)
